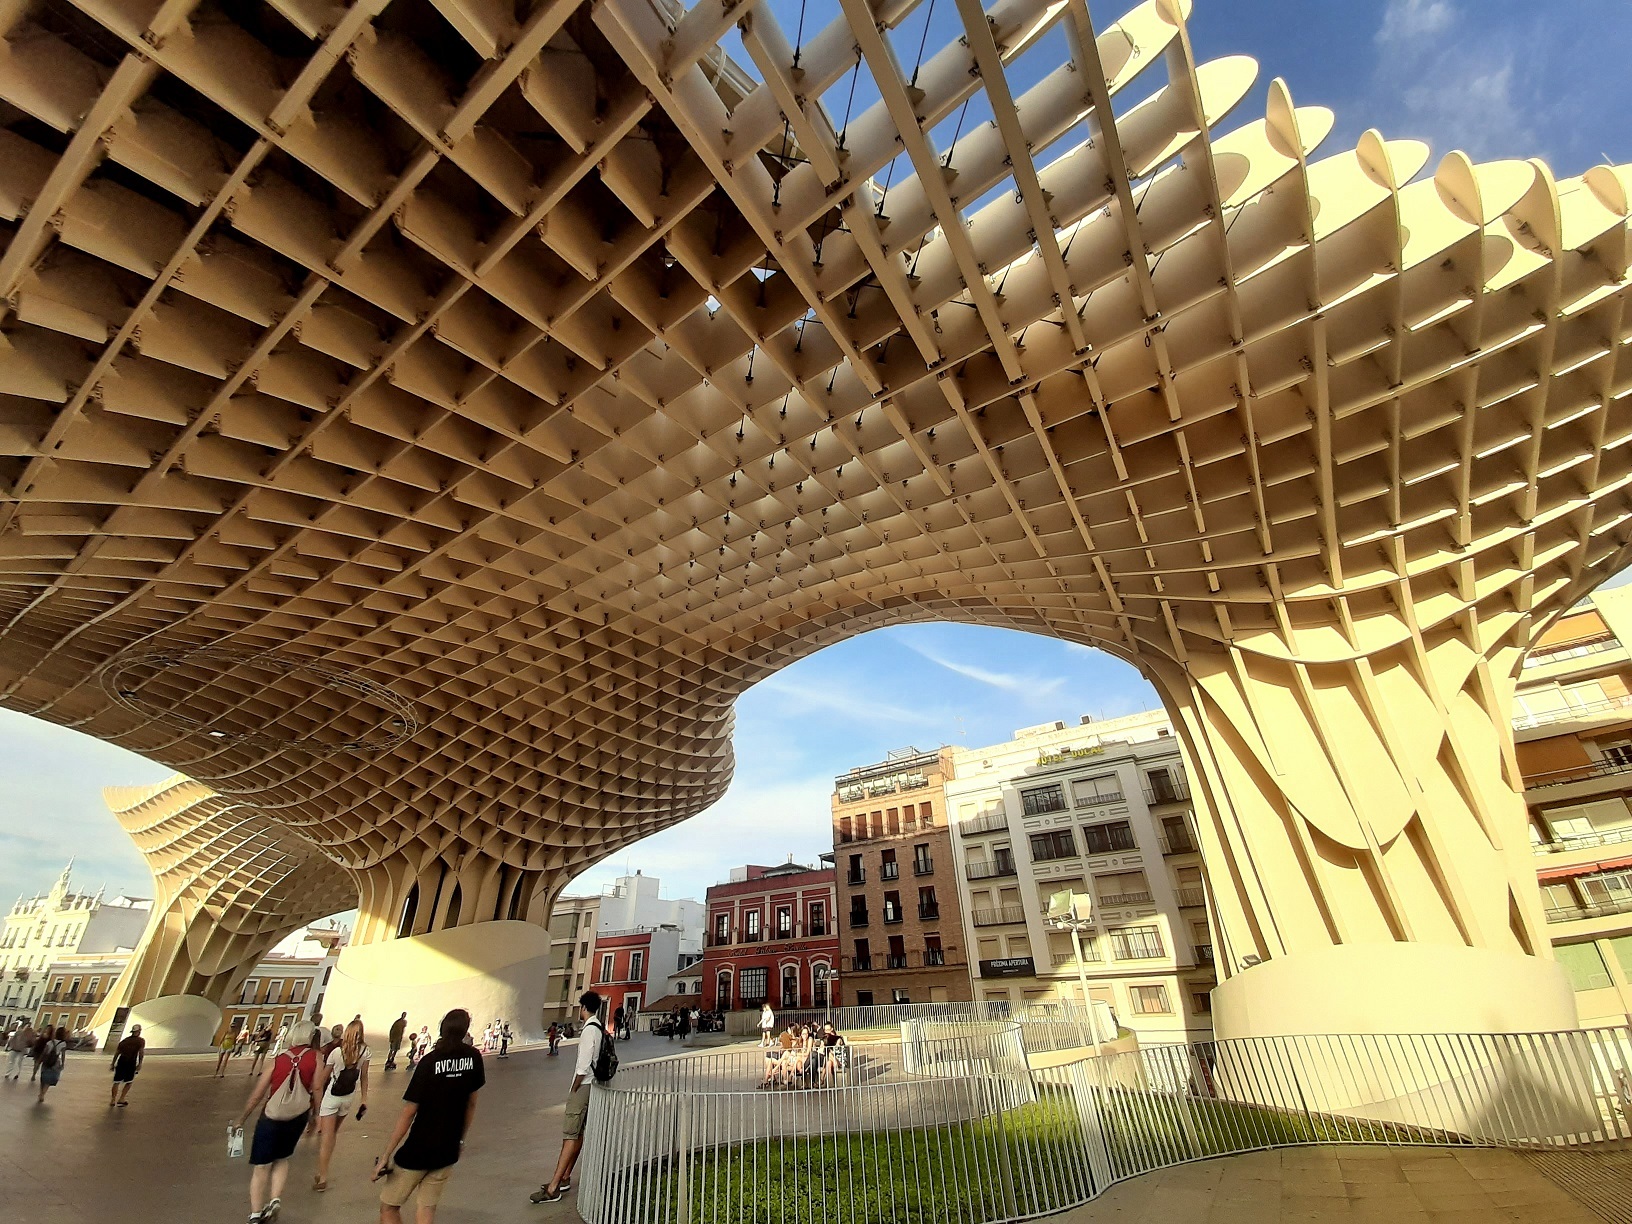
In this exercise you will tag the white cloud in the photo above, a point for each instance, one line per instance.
(1028, 686)
(852, 704)
(1407, 22)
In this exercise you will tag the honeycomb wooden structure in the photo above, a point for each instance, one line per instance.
(422, 419)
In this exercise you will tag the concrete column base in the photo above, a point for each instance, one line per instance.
(494, 970)
(1395, 988)
(174, 1022)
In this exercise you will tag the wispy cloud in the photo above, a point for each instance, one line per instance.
(1457, 81)
(856, 703)
(1025, 685)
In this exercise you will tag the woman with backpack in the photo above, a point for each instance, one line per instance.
(348, 1086)
(291, 1089)
(51, 1051)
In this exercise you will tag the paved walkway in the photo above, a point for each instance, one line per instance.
(163, 1160)
(1333, 1185)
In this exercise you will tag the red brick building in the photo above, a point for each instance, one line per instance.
(770, 936)
(623, 964)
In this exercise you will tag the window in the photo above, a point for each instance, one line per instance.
(637, 966)
(1149, 1000)
(858, 911)
(1042, 799)
(784, 922)
(1109, 837)
(864, 956)
(888, 869)
(928, 907)
(922, 863)
(1584, 966)
(1057, 844)
(1176, 837)
(818, 918)
(892, 907)
(45, 1022)
(864, 998)
(605, 975)
(1163, 787)
(790, 986)
(1122, 888)
(845, 835)
(73, 987)
(1106, 788)
(722, 929)
(818, 985)
(722, 989)
(933, 953)
(926, 815)
(1201, 1002)
(1136, 943)
(298, 994)
(750, 927)
(899, 996)
(247, 994)
(274, 991)
(857, 873)
(753, 985)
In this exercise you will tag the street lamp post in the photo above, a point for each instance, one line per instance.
(1074, 912)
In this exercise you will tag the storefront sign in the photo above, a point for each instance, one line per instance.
(1013, 966)
(1069, 754)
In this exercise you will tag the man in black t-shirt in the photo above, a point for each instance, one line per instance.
(398, 1028)
(430, 1132)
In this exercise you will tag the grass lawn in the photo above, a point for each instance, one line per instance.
(1030, 1161)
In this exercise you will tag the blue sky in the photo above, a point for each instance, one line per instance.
(1497, 78)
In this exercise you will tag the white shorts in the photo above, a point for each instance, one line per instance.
(334, 1106)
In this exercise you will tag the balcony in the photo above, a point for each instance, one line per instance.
(998, 917)
(716, 940)
(858, 918)
(889, 871)
(1192, 897)
(816, 928)
(783, 933)
(1204, 955)
(1045, 806)
(927, 912)
(923, 866)
(1566, 842)
(892, 914)
(1179, 843)
(1099, 798)
(1099, 842)
(856, 877)
(983, 824)
(1597, 909)
(1572, 650)
(1173, 790)
(1588, 710)
(1061, 959)
(752, 936)
(860, 964)
(1126, 898)
(1578, 773)
(896, 961)
(981, 869)
(934, 957)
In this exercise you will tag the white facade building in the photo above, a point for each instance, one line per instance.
(572, 946)
(1101, 808)
(632, 904)
(61, 923)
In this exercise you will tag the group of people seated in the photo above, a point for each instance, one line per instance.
(806, 1055)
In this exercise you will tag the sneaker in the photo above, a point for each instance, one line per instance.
(543, 1195)
(271, 1212)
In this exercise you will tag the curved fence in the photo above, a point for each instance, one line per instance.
(947, 1120)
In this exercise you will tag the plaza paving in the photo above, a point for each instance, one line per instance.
(163, 1158)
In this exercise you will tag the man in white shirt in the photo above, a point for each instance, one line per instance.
(572, 1128)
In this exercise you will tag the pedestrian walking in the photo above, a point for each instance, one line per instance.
(53, 1053)
(430, 1133)
(128, 1057)
(337, 1034)
(347, 1068)
(288, 1094)
(504, 1040)
(18, 1048)
(420, 1043)
(617, 1021)
(281, 1043)
(554, 1035)
(225, 1045)
(399, 1026)
(684, 1025)
(597, 1060)
(767, 1023)
(263, 1042)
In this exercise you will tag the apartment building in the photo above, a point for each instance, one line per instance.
(60, 923)
(635, 903)
(633, 967)
(1101, 808)
(902, 937)
(288, 984)
(572, 946)
(771, 936)
(73, 987)
(1573, 733)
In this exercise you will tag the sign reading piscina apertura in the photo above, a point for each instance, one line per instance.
(1069, 754)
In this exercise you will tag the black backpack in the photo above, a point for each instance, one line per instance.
(53, 1057)
(345, 1083)
(606, 1059)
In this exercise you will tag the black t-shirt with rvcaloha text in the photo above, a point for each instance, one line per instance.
(441, 1087)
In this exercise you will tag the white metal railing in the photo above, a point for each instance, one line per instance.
(949, 1119)
(1588, 709)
